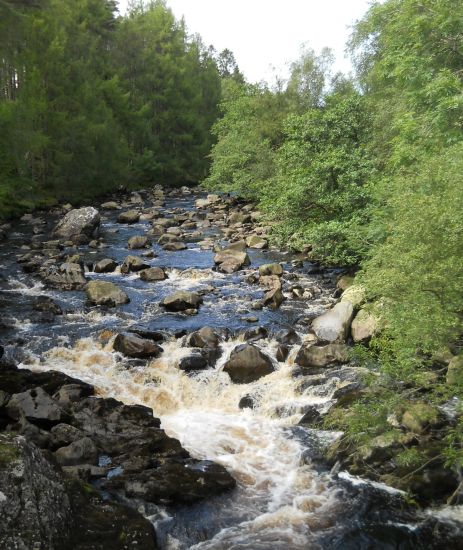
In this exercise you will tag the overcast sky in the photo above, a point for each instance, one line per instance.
(268, 33)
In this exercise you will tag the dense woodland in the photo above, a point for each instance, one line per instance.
(90, 100)
(362, 172)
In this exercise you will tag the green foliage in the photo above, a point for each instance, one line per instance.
(247, 133)
(89, 101)
(322, 180)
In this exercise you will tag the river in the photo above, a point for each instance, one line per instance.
(286, 497)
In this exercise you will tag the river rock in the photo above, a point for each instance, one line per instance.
(254, 241)
(138, 241)
(344, 282)
(174, 246)
(153, 274)
(364, 326)
(133, 263)
(247, 363)
(270, 282)
(455, 371)
(273, 298)
(334, 325)
(282, 353)
(271, 269)
(105, 293)
(110, 205)
(194, 361)
(82, 221)
(420, 416)
(239, 217)
(231, 260)
(34, 505)
(106, 265)
(134, 346)
(182, 300)
(179, 483)
(204, 338)
(67, 276)
(82, 451)
(355, 294)
(322, 356)
(130, 216)
(47, 305)
(36, 406)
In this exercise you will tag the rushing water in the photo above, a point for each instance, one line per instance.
(285, 498)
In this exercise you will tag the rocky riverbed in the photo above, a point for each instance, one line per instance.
(162, 378)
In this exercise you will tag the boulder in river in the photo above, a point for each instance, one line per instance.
(133, 263)
(254, 241)
(174, 246)
(322, 356)
(132, 345)
(153, 274)
(271, 269)
(110, 205)
(231, 260)
(105, 293)
(67, 276)
(81, 221)
(247, 363)
(333, 326)
(273, 298)
(47, 305)
(138, 241)
(204, 338)
(107, 265)
(130, 216)
(182, 300)
(192, 362)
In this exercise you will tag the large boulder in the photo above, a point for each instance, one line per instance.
(133, 263)
(67, 276)
(134, 346)
(178, 483)
(130, 216)
(81, 221)
(248, 363)
(273, 298)
(355, 294)
(153, 274)
(204, 338)
(182, 300)
(364, 326)
(334, 325)
(231, 259)
(34, 505)
(254, 241)
(36, 406)
(81, 451)
(138, 241)
(105, 293)
(271, 269)
(322, 356)
(107, 265)
(192, 362)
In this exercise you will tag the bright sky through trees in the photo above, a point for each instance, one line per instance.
(268, 33)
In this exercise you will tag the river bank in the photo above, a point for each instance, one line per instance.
(173, 304)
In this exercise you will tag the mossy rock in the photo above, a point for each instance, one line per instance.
(418, 417)
(455, 371)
